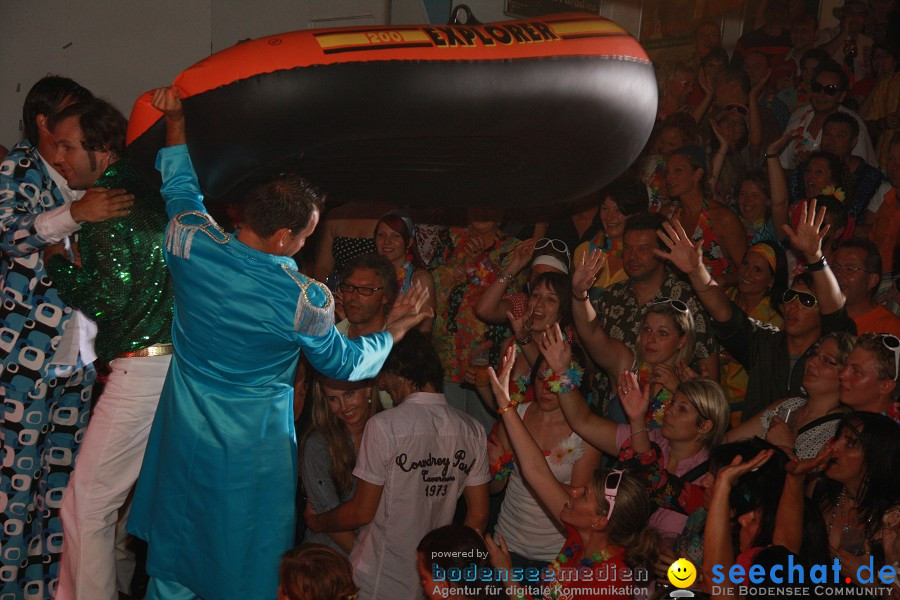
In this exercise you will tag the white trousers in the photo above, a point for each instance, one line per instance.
(95, 562)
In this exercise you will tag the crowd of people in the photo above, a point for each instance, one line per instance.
(698, 361)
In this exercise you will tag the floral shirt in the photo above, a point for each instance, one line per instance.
(456, 328)
(620, 316)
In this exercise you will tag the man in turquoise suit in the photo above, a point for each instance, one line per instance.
(215, 497)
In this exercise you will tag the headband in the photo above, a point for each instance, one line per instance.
(410, 228)
(550, 261)
(767, 252)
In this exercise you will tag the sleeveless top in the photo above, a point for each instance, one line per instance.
(812, 436)
(528, 530)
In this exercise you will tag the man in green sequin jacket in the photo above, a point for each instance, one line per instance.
(122, 283)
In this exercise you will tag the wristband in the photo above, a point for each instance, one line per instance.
(562, 383)
(579, 298)
(507, 407)
(524, 342)
(634, 433)
(767, 156)
(505, 277)
(817, 266)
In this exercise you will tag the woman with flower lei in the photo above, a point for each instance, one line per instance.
(532, 535)
(665, 346)
(605, 518)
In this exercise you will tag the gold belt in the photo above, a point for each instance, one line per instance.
(154, 350)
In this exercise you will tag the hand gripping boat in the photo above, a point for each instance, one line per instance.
(508, 114)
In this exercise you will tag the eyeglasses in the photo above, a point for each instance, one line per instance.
(806, 299)
(611, 489)
(892, 343)
(837, 267)
(347, 288)
(829, 90)
(676, 304)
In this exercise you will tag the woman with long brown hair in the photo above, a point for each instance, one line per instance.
(340, 411)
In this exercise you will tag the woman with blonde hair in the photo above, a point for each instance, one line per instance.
(665, 346)
(340, 411)
(694, 422)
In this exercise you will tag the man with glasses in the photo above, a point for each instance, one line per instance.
(813, 306)
(367, 289)
(828, 89)
(857, 267)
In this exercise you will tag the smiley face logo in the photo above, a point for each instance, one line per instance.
(682, 573)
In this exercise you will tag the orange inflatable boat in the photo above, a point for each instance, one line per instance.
(508, 114)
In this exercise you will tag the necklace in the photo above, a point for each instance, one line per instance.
(845, 514)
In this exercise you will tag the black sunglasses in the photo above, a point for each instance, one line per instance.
(829, 90)
(806, 299)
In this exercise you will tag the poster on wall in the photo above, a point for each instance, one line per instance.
(536, 8)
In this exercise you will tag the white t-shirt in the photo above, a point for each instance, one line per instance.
(424, 453)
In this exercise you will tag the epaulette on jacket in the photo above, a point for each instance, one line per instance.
(183, 226)
(309, 318)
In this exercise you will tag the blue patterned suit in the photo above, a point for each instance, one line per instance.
(46, 406)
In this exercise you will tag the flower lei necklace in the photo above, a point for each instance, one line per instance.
(562, 560)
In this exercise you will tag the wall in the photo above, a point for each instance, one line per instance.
(121, 48)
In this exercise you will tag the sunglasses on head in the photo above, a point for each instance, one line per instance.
(806, 299)
(737, 108)
(558, 245)
(892, 343)
(611, 489)
(676, 304)
(829, 90)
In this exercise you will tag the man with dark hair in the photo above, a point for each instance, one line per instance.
(828, 89)
(840, 134)
(215, 496)
(367, 290)
(774, 358)
(45, 346)
(414, 463)
(857, 267)
(122, 283)
(620, 310)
